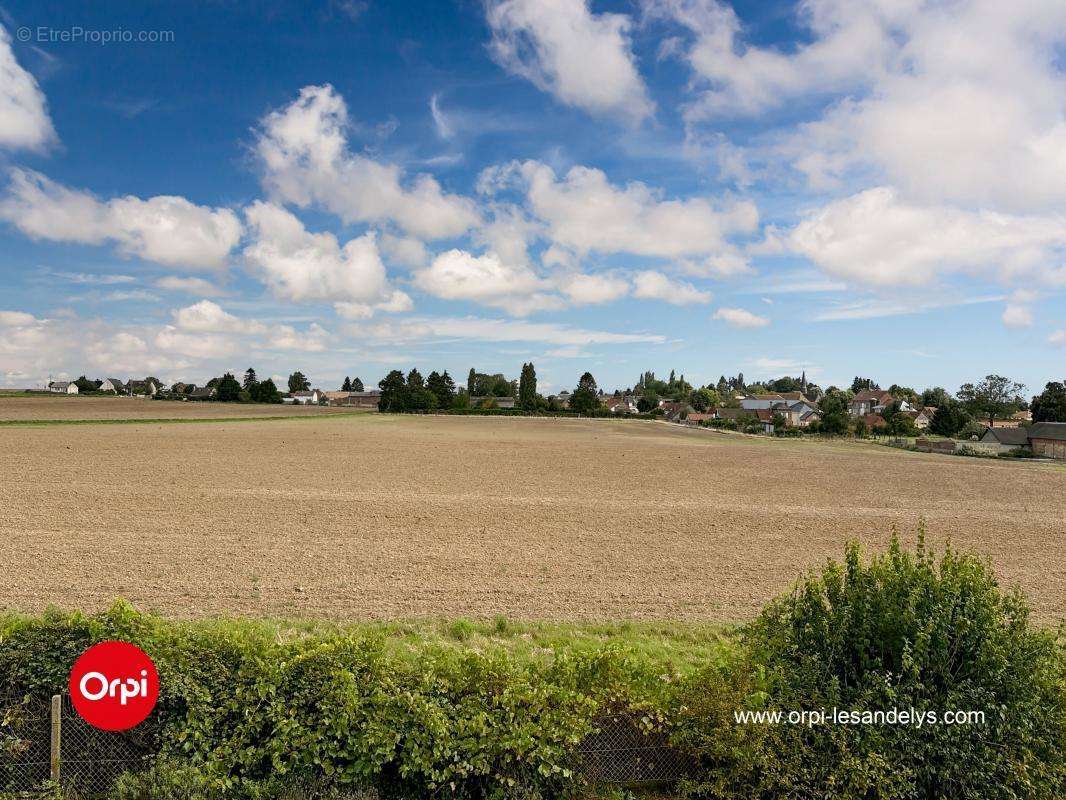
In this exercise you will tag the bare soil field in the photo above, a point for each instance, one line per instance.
(375, 517)
(71, 407)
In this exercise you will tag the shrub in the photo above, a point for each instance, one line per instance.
(903, 631)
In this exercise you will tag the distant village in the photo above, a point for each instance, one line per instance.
(989, 417)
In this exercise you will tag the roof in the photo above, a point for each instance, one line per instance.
(60, 384)
(774, 396)
(1046, 430)
(1011, 436)
(700, 417)
(116, 381)
(874, 420)
(311, 393)
(867, 396)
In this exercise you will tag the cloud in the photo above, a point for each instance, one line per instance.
(486, 279)
(1058, 338)
(397, 302)
(92, 279)
(12, 319)
(585, 213)
(850, 43)
(876, 238)
(651, 285)
(197, 286)
(494, 330)
(302, 266)
(306, 161)
(882, 307)
(405, 250)
(286, 337)
(209, 317)
(24, 120)
(582, 289)
(165, 229)
(1017, 316)
(581, 58)
(740, 318)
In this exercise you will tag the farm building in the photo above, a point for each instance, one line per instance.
(145, 388)
(497, 402)
(1013, 437)
(354, 399)
(63, 387)
(313, 397)
(112, 385)
(1048, 439)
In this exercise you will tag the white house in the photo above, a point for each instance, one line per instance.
(112, 385)
(311, 398)
(63, 387)
(761, 401)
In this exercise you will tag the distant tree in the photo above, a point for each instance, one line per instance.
(904, 393)
(265, 392)
(357, 385)
(992, 398)
(298, 383)
(393, 392)
(443, 388)
(471, 380)
(86, 385)
(1050, 405)
(249, 380)
(527, 387)
(722, 386)
(646, 403)
(834, 407)
(860, 428)
(702, 399)
(863, 385)
(786, 384)
(898, 421)
(936, 397)
(585, 398)
(948, 420)
(461, 401)
(228, 390)
(415, 380)
(347, 385)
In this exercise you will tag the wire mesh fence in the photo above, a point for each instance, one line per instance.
(626, 747)
(34, 749)
(630, 748)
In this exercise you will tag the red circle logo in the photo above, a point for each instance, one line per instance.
(114, 686)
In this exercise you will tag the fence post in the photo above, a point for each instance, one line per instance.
(57, 722)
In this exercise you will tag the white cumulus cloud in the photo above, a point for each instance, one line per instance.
(167, 230)
(24, 120)
(583, 59)
(652, 285)
(306, 160)
(740, 318)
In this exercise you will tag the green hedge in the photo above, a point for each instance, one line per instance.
(244, 714)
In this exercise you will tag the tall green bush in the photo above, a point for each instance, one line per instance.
(899, 631)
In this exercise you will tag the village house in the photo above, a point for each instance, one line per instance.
(204, 393)
(1012, 421)
(63, 387)
(761, 401)
(146, 388)
(180, 387)
(673, 411)
(304, 398)
(1005, 438)
(1048, 439)
(922, 417)
(112, 385)
(874, 402)
(620, 405)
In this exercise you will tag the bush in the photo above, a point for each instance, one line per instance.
(247, 716)
(903, 631)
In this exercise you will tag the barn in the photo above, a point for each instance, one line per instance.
(1048, 439)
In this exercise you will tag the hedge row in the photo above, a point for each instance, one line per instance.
(247, 716)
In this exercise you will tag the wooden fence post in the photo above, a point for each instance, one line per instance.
(57, 723)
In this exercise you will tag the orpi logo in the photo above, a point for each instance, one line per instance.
(114, 685)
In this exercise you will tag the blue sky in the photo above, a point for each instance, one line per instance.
(833, 186)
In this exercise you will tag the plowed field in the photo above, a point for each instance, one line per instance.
(370, 516)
